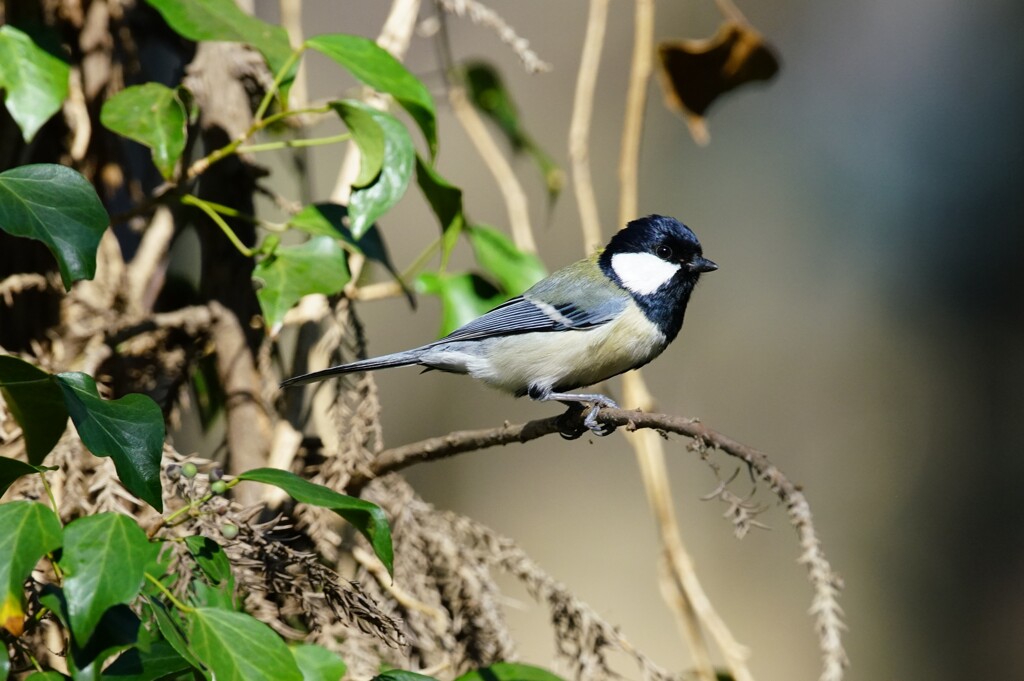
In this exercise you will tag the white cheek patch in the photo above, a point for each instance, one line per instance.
(643, 273)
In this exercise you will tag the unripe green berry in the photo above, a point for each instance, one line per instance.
(189, 470)
(229, 531)
(218, 487)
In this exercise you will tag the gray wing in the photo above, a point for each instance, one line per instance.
(521, 315)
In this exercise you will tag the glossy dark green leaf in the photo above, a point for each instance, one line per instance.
(514, 270)
(159, 661)
(223, 20)
(367, 204)
(5, 663)
(12, 469)
(367, 135)
(368, 518)
(445, 200)
(464, 297)
(153, 115)
(317, 266)
(402, 675)
(317, 663)
(46, 676)
(55, 205)
(130, 430)
(488, 93)
(30, 531)
(104, 559)
(34, 81)
(374, 66)
(328, 219)
(508, 671)
(210, 558)
(36, 403)
(117, 630)
(172, 632)
(238, 647)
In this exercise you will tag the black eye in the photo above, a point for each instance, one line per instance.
(664, 252)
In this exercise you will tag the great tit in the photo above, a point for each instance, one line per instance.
(597, 318)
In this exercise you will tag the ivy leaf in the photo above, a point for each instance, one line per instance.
(317, 266)
(159, 661)
(374, 66)
(488, 93)
(328, 219)
(402, 675)
(508, 671)
(172, 633)
(152, 115)
(368, 203)
(238, 647)
(445, 200)
(223, 20)
(695, 73)
(367, 135)
(117, 630)
(210, 558)
(130, 430)
(368, 518)
(55, 205)
(317, 663)
(514, 270)
(34, 81)
(464, 297)
(30, 530)
(104, 560)
(36, 403)
(12, 469)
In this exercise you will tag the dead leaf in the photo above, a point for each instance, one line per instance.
(694, 73)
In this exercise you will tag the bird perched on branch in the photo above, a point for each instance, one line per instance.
(597, 318)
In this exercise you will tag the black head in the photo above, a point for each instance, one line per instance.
(659, 261)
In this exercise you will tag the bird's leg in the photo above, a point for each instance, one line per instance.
(597, 401)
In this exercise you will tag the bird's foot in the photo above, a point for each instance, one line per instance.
(595, 426)
(569, 425)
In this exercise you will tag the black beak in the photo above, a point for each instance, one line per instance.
(702, 265)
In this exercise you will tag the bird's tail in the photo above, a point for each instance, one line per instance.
(398, 359)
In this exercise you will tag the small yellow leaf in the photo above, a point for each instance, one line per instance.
(12, 615)
(694, 73)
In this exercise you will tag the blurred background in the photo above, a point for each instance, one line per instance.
(866, 328)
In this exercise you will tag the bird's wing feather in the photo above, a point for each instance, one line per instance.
(521, 315)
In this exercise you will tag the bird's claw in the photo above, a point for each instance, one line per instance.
(569, 424)
(595, 426)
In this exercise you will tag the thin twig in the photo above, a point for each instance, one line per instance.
(579, 127)
(825, 582)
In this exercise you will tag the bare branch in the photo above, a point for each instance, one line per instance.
(826, 583)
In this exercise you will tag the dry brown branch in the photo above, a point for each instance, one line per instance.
(825, 582)
(484, 16)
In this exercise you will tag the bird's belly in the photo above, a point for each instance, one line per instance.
(566, 360)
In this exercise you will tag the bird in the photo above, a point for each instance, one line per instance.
(594, 319)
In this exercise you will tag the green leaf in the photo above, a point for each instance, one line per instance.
(153, 115)
(374, 66)
(402, 675)
(368, 518)
(5, 663)
(446, 201)
(34, 81)
(170, 630)
(367, 135)
(12, 469)
(104, 559)
(55, 205)
(508, 671)
(464, 297)
(116, 631)
(159, 661)
(210, 558)
(238, 647)
(317, 663)
(46, 676)
(317, 266)
(328, 219)
(514, 270)
(36, 403)
(129, 430)
(369, 203)
(488, 93)
(30, 530)
(223, 20)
